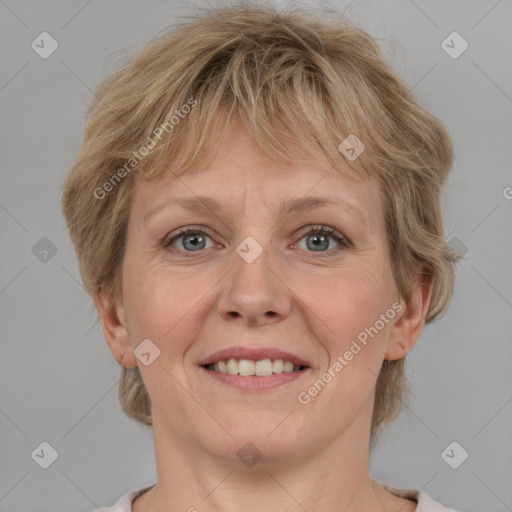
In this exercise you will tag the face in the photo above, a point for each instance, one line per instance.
(252, 273)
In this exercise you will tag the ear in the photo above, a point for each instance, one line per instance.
(116, 334)
(408, 327)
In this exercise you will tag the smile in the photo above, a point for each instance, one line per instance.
(260, 368)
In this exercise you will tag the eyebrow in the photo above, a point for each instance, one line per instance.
(303, 204)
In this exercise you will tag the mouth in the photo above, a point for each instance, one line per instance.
(258, 368)
(254, 369)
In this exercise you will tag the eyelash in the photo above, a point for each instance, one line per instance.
(343, 242)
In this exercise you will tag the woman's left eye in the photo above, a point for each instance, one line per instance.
(317, 240)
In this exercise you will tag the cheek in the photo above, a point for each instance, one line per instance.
(343, 311)
(159, 304)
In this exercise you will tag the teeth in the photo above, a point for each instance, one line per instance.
(232, 366)
(261, 368)
(288, 366)
(246, 367)
(277, 366)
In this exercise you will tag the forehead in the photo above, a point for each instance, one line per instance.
(240, 172)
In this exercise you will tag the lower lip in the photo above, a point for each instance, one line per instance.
(253, 382)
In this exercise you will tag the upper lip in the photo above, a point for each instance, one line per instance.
(252, 354)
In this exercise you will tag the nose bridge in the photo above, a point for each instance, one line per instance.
(252, 290)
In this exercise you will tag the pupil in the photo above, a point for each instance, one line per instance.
(320, 241)
(195, 240)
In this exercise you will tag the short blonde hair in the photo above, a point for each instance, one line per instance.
(290, 76)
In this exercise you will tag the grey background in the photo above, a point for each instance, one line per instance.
(59, 381)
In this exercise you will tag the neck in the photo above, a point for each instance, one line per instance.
(330, 477)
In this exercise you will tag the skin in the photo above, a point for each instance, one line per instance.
(314, 456)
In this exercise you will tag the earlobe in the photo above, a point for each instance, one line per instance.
(408, 327)
(114, 329)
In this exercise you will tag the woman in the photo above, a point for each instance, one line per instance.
(255, 210)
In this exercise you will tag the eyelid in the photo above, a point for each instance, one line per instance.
(322, 228)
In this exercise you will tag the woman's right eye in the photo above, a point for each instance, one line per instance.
(188, 240)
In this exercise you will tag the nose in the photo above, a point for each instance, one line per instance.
(254, 292)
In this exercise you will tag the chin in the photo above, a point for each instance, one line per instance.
(263, 436)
